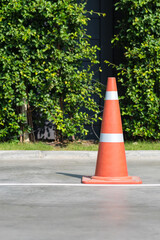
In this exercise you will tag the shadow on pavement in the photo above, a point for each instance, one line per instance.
(70, 175)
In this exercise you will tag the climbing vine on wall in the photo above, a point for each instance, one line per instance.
(42, 46)
(139, 74)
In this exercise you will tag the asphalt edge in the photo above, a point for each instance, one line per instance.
(74, 155)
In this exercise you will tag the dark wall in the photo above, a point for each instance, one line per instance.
(101, 29)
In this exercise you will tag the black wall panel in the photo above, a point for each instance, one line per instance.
(101, 30)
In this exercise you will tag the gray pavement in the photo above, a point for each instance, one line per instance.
(36, 154)
(69, 212)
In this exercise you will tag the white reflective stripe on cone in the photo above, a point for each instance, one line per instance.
(111, 137)
(111, 95)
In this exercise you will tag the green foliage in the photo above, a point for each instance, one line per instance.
(42, 46)
(139, 74)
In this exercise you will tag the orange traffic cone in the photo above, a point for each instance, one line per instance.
(111, 162)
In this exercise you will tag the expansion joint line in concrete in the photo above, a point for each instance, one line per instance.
(76, 185)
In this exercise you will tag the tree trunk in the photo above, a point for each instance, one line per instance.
(30, 123)
(25, 134)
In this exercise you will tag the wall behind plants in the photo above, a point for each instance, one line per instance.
(42, 46)
(139, 74)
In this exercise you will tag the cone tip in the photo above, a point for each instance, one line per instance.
(112, 78)
(111, 84)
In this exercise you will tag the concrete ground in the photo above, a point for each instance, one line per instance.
(42, 198)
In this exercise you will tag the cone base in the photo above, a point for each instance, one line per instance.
(111, 180)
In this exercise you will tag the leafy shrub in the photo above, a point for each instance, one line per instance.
(139, 74)
(42, 46)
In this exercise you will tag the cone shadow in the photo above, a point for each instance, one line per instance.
(70, 175)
